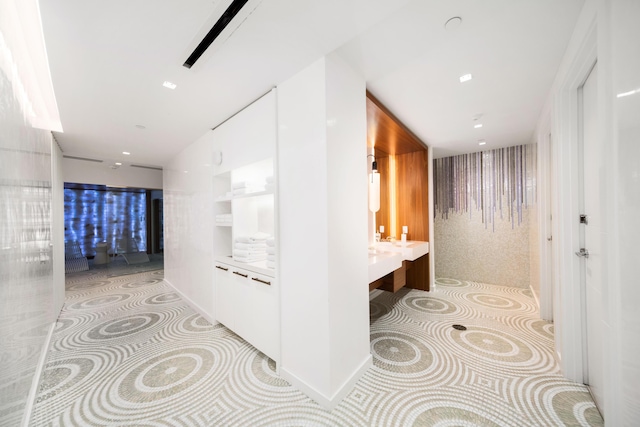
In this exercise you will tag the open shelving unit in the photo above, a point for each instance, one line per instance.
(247, 295)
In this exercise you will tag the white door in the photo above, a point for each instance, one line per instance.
(591, 248)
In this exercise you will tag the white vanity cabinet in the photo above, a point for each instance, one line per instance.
(245, 200)
(247, 303)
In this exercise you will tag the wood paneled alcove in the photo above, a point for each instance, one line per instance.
(403, 163)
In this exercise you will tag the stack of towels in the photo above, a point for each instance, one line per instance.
(271, 253)
(250, 248)
(223, 219)
(247, 187)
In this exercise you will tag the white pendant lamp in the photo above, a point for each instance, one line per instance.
(374, 187)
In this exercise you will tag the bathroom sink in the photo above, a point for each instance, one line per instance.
(382, 263)
(410, 250)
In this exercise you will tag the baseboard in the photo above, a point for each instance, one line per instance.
(35, 383)
(193, 305)
(535, 297)
(328, 403)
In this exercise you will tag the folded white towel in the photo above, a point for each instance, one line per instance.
(271, 241)
(260, 236)
(249, 259)
(271, 258)
(271, 250)
(251, 246)
(224, 218)
(241, 184)
(248, 253)
(243, 239)
(271, 264)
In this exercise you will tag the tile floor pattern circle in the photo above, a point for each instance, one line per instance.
(494, 301)
(451, 282)
(118, 328)
(128, 351)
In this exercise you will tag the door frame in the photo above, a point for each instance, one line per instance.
(568, 295)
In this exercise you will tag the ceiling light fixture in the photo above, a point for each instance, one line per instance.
(126, 153)
(465, 78)
(478, 126)
(482, 142)
(214, 32)
(169, 85)
(141, 126)
(118, 164)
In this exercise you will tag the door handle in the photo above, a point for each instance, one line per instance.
(583, 253)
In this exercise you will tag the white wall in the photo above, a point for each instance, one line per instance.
(323, 234)
(86, 172)
(188, 225)
(29, 295)
(607, 31)
(57, 229)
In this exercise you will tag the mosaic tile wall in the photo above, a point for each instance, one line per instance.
(485, 216)
(93, 216)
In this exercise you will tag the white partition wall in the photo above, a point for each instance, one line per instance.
(323, 230)
(606, 33)
(188, 228)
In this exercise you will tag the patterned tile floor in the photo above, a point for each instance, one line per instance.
(129, 351)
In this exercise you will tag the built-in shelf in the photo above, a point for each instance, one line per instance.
(246, 293)
(243, 196)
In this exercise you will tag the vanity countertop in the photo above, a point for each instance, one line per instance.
(383, 263)
(410, 250)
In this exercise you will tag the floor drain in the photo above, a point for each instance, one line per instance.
(460, 327)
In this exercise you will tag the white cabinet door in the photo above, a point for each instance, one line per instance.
(225, 295)
(243, 321)
(264, 311)
(247, 137)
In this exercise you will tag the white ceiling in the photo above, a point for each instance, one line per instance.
(108, 62)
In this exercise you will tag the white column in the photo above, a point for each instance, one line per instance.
(323, 230)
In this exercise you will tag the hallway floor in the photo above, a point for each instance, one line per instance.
(129, 351)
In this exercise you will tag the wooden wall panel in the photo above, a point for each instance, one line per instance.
(393, 142)
(412, 182)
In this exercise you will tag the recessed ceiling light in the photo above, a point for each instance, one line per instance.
(169, 85)
(479, 125)
(482, 142)
(118, 164)
(141, 126)
(465, 78)
(126, 153)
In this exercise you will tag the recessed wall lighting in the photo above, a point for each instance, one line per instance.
(478, 126)
(169, 85)
(126, 153)
(482, 142)
(465, 78)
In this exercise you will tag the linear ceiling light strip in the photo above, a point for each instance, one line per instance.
(215, 31)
